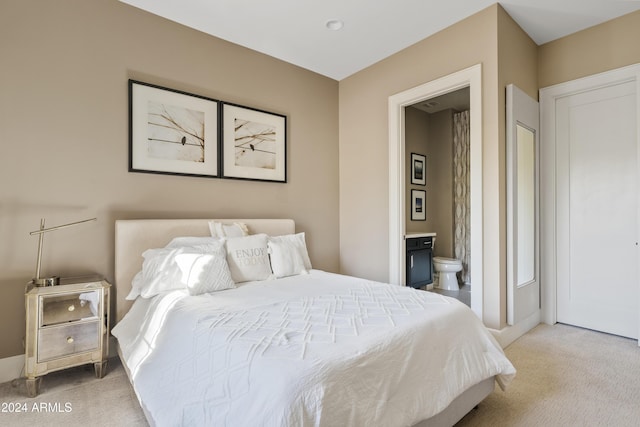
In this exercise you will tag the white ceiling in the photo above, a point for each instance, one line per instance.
(294, 30)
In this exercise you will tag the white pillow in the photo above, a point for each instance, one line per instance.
(248, 258)
(286, 259)
(298, 241)
(177, 242)
(237, 229)
(136, 285)
(204, 272)
(161, 271)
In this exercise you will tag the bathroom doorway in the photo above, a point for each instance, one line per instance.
(437, 136)
(399, 194)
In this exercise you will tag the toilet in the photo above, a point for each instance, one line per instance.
(447, 269)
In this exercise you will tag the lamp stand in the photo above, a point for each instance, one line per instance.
(52, 280)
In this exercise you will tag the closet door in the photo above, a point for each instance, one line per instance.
(597, 209)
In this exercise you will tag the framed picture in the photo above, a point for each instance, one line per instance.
(418, 205)
(254, 144)
(418, 169)
(172, 132)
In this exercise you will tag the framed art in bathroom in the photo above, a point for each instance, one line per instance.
(418, 205)
(418, 169)
(172, 132)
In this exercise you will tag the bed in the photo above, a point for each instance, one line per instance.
(308, 349)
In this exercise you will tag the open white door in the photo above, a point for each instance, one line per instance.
(523, 278)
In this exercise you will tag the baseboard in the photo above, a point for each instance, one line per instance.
(506, 336)
(11, 367)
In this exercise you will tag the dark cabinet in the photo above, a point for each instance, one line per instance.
(419, 261)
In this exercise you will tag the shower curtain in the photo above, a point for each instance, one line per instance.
(461, 197)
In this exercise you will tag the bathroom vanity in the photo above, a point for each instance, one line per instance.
(419, 259)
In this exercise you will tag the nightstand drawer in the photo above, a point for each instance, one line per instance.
(69, 339)
(69, 308)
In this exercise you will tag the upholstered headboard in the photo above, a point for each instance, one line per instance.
(133, 237)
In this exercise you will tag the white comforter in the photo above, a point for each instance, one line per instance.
(311, 350)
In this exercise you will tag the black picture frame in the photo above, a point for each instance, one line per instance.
(253, 144)
(172, 132)
(418, 169)
(418, 205)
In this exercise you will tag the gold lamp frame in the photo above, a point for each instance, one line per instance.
(52, 280)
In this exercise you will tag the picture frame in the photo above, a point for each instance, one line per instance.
(418, 205)
(254, 144)
(172, 132)
(418, 169)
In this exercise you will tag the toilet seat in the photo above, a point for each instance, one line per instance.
(443, 260)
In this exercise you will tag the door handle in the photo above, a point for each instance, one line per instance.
(411, 260)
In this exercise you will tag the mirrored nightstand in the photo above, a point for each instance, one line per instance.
(67, 325)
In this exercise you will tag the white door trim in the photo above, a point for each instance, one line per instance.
(470, 77)
(548, 97)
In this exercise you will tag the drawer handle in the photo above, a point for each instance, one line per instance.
(71, 307)
(70, 340)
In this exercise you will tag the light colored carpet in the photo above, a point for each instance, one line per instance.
(75, 397)
(566, 377)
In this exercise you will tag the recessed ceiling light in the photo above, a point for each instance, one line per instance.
(334, 24)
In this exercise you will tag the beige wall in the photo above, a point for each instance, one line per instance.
(604, 47)
(416, 141)
(517, 64)
(364, 192)
(432, 136)
(64, 130)
(64, 138)
(507, 55)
